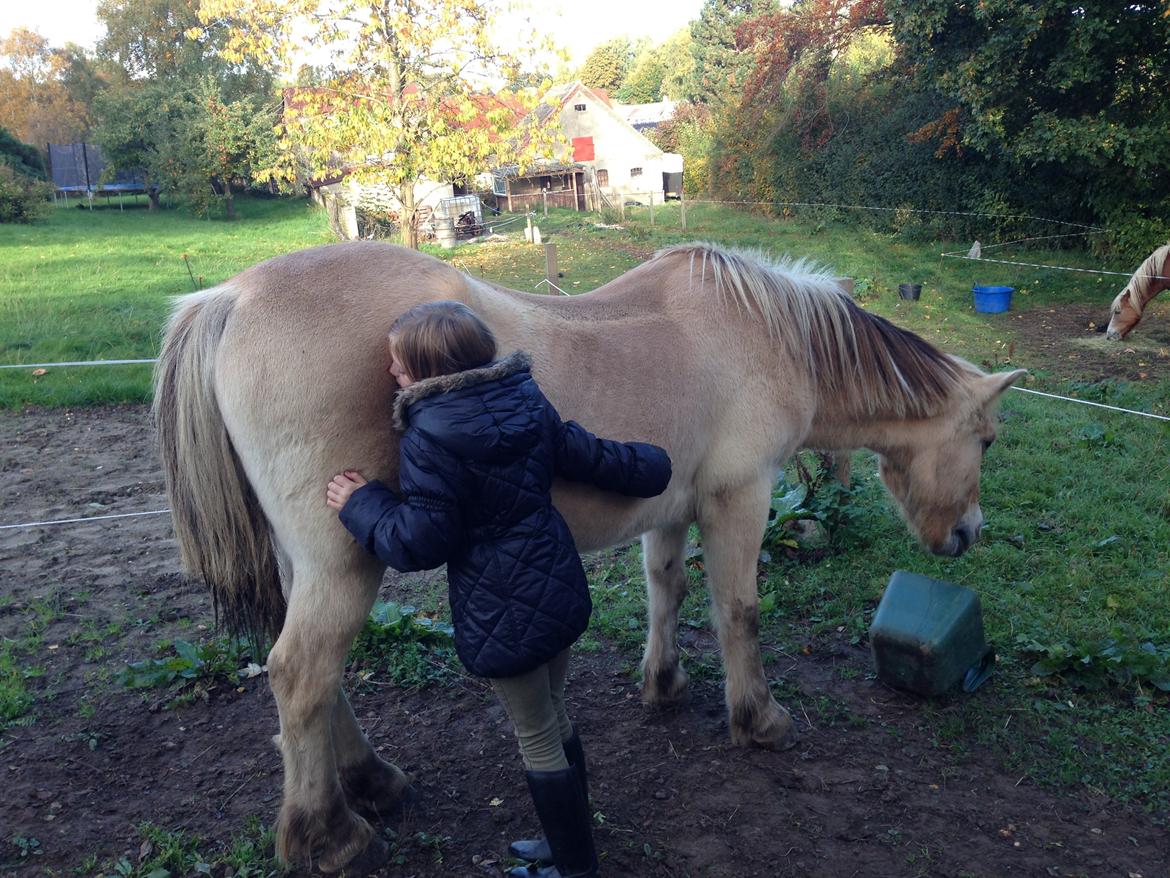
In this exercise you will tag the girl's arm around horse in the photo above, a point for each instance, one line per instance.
(636, 469)
(419, 530)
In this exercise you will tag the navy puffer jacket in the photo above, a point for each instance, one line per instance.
(479, 452)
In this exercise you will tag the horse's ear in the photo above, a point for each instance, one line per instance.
(991, 386)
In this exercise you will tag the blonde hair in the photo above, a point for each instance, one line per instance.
(440, 338)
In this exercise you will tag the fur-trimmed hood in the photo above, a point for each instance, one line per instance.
(517, 361)
(490, 414)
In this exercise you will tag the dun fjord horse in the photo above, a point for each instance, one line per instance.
(275, 380)
(1147, 282)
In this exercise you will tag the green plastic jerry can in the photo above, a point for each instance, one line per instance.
(927, 636)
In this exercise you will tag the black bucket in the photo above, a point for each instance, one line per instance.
(909, 291)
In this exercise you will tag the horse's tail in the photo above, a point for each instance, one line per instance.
(224, 537)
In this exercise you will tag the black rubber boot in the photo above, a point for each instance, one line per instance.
(564, 815)
(536, 850)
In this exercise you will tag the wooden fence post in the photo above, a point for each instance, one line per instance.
(550, 264)
(544, 200)
(651, 208)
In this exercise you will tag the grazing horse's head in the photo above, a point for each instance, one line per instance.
(1150, 279)
(931, 465)
(1123, 316)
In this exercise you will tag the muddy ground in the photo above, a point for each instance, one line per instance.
(864, 793)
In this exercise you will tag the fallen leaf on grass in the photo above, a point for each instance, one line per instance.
(37, 373)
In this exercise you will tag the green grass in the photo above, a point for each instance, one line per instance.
(15, 698)
(166, 853)
(96, 285)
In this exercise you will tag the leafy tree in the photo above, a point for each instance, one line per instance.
(45, 91)
(141, 130)
(721, 58)
(150, 39)
(806, 38)
(1072, 91)
(607, 65)
(196, 143)
(181, 113)
(643, 82)
(224, 142)
(401, 100)
(678, 65)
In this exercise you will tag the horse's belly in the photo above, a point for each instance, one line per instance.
(599, 519)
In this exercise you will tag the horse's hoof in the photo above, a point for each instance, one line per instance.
(370, 860)
(664, 687)
(377, 789)
(773, 729)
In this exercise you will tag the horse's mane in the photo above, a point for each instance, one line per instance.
(1139, 285)
(868, 363)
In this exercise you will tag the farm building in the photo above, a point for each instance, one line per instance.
(611, 159)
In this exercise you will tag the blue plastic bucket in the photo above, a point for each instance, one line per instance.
(993, 300)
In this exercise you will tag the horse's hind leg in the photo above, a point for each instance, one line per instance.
(326, 608)
(664, 681)
(372, 786)
(732, 524)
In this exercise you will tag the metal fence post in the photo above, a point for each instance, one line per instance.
(651, 208)
(682, 205)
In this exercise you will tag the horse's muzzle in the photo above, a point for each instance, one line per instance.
(960, 540)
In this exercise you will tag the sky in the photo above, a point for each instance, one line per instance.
(589, 23)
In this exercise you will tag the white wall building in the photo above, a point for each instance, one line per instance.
(619, 162)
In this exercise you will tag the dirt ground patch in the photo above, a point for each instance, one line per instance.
(1069, 341)
(866, 792)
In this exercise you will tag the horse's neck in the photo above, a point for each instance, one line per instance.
(1160, 283)
(837, 427)
(843, 431)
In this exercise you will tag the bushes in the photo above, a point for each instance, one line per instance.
(21, 157)
(23, 199)
(24, 196)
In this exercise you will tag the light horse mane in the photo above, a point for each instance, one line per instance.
(1139, 285)
(870, 365)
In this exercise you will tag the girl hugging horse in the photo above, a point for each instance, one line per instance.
(480, 446)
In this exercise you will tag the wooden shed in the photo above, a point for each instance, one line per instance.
(554, 185)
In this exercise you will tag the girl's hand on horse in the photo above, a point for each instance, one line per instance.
(343, 484)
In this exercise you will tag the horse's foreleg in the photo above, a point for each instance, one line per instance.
(732, 525)
(305, 666)
(372, 786)
(664, 681)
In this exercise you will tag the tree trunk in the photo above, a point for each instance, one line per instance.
(152, 196)
(228, 202)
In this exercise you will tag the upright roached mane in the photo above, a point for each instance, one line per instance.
(872, 366)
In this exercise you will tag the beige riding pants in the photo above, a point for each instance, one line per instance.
(535, 703)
